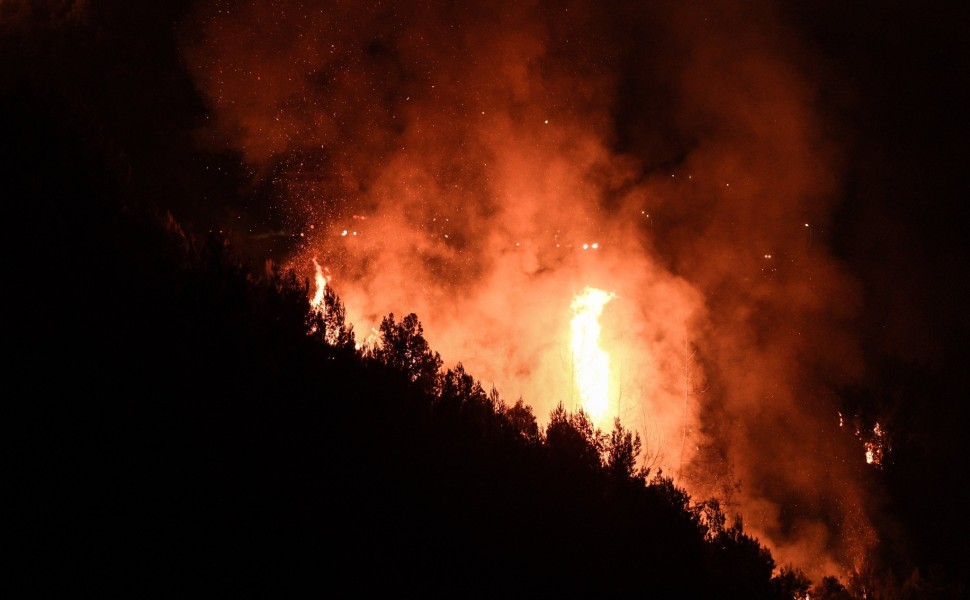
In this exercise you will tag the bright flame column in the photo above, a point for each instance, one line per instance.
(321, 280)
(591, 364)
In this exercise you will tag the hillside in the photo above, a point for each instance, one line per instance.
(186, 430)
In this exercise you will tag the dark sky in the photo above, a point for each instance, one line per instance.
(889, 89)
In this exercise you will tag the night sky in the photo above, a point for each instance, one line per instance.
(777, 187)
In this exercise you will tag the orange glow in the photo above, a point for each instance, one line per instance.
(591, 364)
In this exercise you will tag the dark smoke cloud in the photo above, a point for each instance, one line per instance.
(452, 159)
(28, 14)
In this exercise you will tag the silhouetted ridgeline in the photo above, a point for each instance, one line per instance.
(190, 426)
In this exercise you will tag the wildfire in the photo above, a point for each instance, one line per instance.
(591, 364)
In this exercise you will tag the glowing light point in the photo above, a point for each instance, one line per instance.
(591, 364)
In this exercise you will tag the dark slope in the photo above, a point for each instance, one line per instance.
(178, 430)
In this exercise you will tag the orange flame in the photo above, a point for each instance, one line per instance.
(317, 301)
(591, 364)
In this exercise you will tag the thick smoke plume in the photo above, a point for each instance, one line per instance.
(481, 163)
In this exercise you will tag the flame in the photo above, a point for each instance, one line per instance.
(317, 301)
(591, 364)
(877, 446)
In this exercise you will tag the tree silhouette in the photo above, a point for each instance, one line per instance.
(404, 348)
(790, 583)
(573, 437)
(522, 421)
(829, 588)
(458, 389)
(621, 450)
(712, 518)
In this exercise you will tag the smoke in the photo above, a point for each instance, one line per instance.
(480, 164)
